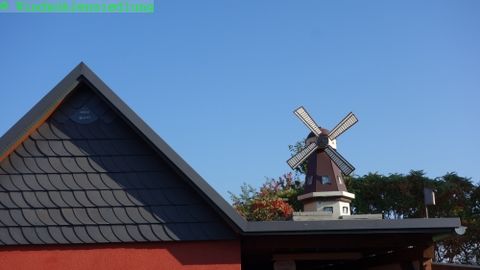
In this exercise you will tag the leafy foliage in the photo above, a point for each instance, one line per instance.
(395, 196)
(276, 199)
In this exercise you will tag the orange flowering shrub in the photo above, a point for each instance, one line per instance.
(271, 209)
(276, 200)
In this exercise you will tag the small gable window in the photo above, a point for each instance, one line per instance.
(84, 115)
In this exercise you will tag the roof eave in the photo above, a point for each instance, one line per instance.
(434, 227)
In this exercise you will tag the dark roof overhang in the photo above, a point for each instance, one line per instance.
(434, 226)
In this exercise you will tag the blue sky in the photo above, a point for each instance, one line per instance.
(218, 80)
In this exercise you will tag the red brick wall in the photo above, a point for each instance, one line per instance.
(223, 255)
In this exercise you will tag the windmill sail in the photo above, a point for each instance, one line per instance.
(308, 120)
(341, 127)
(341, 162)
(298, 159)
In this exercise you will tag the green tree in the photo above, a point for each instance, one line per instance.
(459, 197)
(395, 196)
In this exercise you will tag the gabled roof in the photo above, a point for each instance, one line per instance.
(81, 199)
(82, 167)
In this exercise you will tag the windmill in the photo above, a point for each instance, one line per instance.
(324, 188)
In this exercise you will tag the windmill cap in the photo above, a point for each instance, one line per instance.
(324, 132)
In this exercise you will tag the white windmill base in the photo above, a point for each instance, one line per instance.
(328, 205)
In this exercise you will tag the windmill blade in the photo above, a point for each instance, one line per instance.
(341, 127)
(307, 120)
(341, 162)
(300, 157)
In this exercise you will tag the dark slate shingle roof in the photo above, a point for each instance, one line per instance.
(85, 176)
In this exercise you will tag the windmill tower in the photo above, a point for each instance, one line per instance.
(325, 192)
